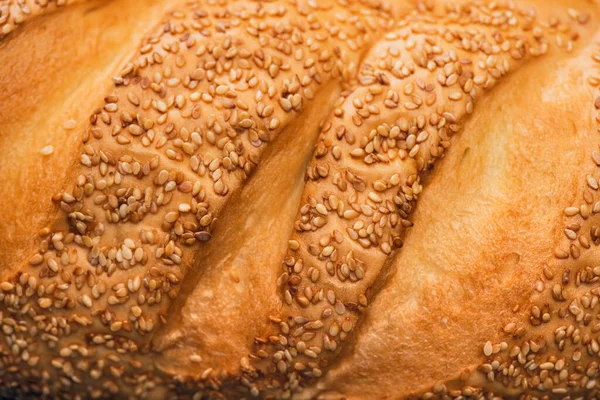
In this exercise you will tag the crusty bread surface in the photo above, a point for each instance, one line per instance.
(332, 199)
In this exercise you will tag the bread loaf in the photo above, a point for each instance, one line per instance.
(332, 199)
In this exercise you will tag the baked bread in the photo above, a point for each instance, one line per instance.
(330, 199)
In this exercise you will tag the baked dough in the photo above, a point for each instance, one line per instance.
(357, 199)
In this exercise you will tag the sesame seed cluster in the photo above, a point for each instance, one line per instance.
(552, 353)
(186, 123)
(415, 88)
(14, 12)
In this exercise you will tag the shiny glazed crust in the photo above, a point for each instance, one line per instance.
(299, 199)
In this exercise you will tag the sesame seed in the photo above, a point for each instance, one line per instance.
(47, 150)
(202, 236)
(487, 349)
(45, 302)
(69, 124)
(571, 211)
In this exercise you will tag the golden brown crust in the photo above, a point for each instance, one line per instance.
(416, 88)
(13, 13)
(440, 246)
(492, 217)
(183, 127)
(489, 246)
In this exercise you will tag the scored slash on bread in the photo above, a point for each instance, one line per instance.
(104, 308)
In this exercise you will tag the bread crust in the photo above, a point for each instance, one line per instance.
(299, 199)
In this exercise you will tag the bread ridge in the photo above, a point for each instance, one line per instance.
(322, 310)
(13, 13)
(524, 347)
(100, 209)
